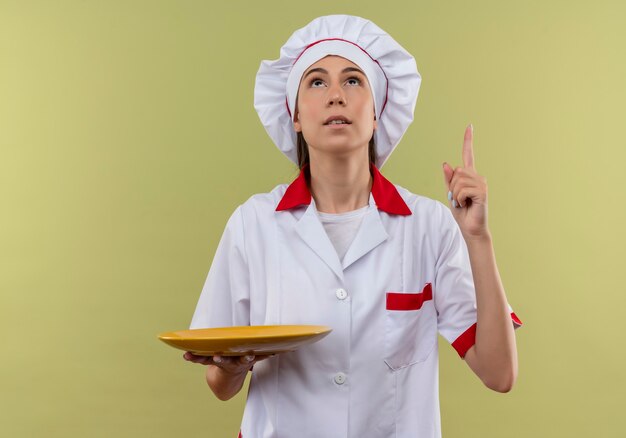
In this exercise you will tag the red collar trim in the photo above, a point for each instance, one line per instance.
(296, 194)
(384, 192)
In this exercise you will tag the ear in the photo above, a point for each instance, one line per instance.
(297, 126)
(375, 121)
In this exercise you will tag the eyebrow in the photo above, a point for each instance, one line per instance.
(321, 70)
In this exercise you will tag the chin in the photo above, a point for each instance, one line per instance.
(339, 150)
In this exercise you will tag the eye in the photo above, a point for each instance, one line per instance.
(354, 78)
(314, 81)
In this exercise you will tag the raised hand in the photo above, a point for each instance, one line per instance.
(467, 192)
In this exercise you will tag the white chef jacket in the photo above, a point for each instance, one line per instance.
(405, 278)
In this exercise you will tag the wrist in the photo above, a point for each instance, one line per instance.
(232, 374)
(479, 239)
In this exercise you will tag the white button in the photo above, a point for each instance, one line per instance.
(340, 378)
(341, 294)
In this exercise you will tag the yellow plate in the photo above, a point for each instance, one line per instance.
(241, 340)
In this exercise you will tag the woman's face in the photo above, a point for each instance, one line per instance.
(334, 86)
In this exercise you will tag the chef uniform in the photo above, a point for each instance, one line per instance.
(404, 278)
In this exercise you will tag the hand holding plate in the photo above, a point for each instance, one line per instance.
(229, 364)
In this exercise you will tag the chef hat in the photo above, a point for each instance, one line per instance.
(390, 70)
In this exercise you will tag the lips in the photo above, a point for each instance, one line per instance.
(337, 117)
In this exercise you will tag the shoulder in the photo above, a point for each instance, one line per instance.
(431, 218)
(422, 207)
(264, 202)
(261, 205)
(255, 214)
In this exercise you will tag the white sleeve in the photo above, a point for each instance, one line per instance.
(225, 297)
(454, 292)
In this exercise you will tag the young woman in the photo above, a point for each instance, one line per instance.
(342, 246)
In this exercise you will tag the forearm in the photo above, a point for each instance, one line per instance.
(495, 347)
(224, 385)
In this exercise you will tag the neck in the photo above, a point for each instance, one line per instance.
(340, 185)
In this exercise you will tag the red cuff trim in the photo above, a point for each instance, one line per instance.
(465, 341)
(409, 301)
(468, 338)
(240, 435)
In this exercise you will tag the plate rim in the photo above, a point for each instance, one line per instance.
(320, 330)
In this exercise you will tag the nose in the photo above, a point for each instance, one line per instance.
(336, 96)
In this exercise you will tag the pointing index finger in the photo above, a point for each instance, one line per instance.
(468, 149)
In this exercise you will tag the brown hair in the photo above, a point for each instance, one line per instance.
(303, 150)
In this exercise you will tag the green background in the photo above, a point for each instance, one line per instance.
(128, 136)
